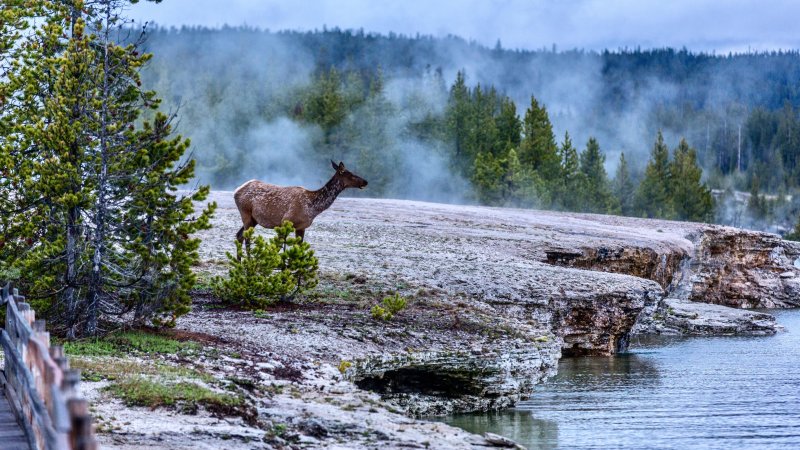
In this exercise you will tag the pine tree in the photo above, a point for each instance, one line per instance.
(757, 204)
(110, 239)
(268, 271)
(375, 150)
(15, 18)
(653, 197)
(504, 181)
(623, 187)
(596, 195)
(573, 180)
(459, 119)
(508, 126)
(514, 181)
(326, 105)
(538, 149)
(488, 178)
(691, 198)
(483, 135)
(787, 143)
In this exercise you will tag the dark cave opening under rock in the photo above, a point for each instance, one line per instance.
(423, 381)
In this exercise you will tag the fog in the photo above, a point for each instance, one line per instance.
(699, 25)
(237, 92)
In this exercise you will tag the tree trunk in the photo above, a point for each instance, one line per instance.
(98, 241)
(70, 293)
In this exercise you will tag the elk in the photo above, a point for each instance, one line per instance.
(269, 205)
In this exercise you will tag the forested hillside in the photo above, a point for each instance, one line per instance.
(630, 131)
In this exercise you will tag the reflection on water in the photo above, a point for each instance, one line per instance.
(517, 424)
(666, 393)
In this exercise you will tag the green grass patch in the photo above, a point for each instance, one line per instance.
(203, 284)
(112, 368)
(129, 342)
(260, 314)
(140, 391)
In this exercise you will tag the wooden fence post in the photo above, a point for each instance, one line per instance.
(42, 389)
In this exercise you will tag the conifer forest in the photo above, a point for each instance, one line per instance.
(661, 133)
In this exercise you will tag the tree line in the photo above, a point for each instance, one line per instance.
(509, 158)
(738, 112)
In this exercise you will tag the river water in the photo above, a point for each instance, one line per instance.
(721, 392)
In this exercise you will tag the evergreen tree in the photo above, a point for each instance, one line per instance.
(109, 238)
(326, 105)
(522, 187)
(504, 181)
(757, 204)
(538, 149)
(483, 133)
(459, 119)
(488, 178)
(596, 196)
(787, 143)
(691, 198)
(573, 181)
(15, 18)
(372, 141)
(653, 197)
(508, 126)
(623, 187)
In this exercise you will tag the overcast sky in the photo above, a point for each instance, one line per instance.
(708, 25)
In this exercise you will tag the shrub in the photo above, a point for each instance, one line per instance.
(344, 365)
(268, 270)
(390, 306)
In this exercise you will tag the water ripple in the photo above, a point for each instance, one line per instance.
(704, 393)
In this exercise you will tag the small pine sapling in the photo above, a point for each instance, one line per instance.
(268, 270)
(390, 306)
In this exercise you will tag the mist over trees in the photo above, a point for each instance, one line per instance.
(437, 119)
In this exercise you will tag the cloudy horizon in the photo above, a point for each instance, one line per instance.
(702, 25)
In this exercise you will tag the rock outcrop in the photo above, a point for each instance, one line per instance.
(499, 257)
(678, 316)
(519, 288)
(745, 269)
(437, 383)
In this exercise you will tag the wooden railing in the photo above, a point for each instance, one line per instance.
(42, 390)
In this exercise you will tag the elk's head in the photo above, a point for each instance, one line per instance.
(348, 178)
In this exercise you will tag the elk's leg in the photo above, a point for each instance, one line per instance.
(252, 224)
(301, 234)
(240, 234)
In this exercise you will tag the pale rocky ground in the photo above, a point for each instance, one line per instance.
(496, 296)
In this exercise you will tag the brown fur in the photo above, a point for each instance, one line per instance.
(269, 205)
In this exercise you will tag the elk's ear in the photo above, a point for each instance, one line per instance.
(341, 166)
(335, 167)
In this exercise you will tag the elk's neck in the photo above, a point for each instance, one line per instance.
(323, 197)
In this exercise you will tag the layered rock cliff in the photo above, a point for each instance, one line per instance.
(745, 269)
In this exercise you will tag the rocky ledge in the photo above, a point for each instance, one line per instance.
(744, 269)
(496, 296)
(583, 279)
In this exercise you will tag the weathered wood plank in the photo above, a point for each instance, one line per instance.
(15, 445)
(12, 436)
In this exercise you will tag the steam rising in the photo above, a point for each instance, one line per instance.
(235, 87)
